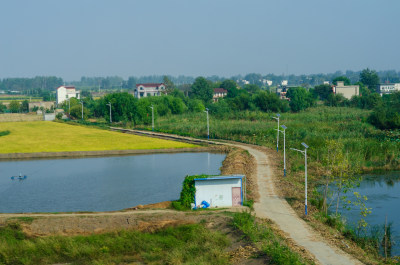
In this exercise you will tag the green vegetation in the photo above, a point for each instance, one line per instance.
(386, 115)
(371, 148)
(3, 133)
(265, 239)
(188, 192)
(192, 244)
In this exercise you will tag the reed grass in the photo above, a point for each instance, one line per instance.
(366, 145)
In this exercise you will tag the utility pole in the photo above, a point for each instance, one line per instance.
(305, 164)
(284, 148)
(82, 109)
(277, 133)
(109, 104)
(152, 117)
(208, 125)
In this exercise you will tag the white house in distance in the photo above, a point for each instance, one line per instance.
(219, 93)
(220, 191)
(346, 91)
(149, 90)
(388, 88)
(66, 92)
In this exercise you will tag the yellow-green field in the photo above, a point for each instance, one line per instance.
(41, 136)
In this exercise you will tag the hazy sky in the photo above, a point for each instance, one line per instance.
(77, 38)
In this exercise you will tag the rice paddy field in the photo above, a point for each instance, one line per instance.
(42, 136)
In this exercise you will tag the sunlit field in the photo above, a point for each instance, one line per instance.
(30, 137)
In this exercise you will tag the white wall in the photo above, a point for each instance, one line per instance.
(217, 192)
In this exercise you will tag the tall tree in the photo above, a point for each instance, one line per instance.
(25, 106)
(231, 87)
(369, 78)
(345, 80)
(300, 99)
(322, 91)
(201, 90)
(169, 85)
(14, 106)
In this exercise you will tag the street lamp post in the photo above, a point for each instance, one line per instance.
(69, 107)
(208, 125)
(109, 104)
(82, 109)
(284, 148)
(277, 133)
(152, 117)
(305, 163)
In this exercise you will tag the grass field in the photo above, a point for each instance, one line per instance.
(370, 147)
(30, 137)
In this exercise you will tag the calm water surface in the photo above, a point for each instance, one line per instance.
(383, 192)
(101, 183)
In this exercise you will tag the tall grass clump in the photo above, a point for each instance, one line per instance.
(263, 236)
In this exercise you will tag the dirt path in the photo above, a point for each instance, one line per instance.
(275, 208)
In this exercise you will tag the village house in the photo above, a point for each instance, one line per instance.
(219, 93)
(149, 90)
(388, 88)
(66, 92)
(346, 91)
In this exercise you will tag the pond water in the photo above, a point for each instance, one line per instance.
(383, 192)
(100, 183)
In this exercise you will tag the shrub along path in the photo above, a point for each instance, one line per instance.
(275, 208)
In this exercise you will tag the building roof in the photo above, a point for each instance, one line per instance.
(220, 90)
(150, 84)
(67, 87)
(222, 177)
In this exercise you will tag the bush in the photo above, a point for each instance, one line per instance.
(188, 191)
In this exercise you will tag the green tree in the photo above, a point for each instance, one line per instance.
(25, 106)
(14, 106)
(123, 107)
(76, 112)
(341, 176)
(300, 99)
(196, 105)
(231, 87)
(251, 88)
(336, 100)
(322, 91)
(169, 85)
(201, 90)
(268, 101)
(369, 78)
(2, 108)
(387, 115)
(345, 80)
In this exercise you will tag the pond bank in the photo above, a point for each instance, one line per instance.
(77, 154)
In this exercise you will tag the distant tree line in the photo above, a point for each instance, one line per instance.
(49, 83)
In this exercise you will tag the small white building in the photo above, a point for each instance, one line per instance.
(66, 92)
(346, 91)
(220, 191)
(388, 88)
(149, 90)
